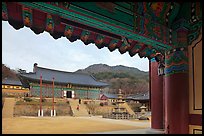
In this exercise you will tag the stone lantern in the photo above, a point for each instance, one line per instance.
(143, 111)
(143, 108)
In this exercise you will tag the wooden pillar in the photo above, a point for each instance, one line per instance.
(176, 103)
(62, 93)
(149, 85)
(75, 96)
(48, 90)
(176, 92)
(40, 94)
(176, 82)
(53, 95)
(31, 90)
(156, 84)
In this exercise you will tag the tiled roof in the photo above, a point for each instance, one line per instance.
(142, 96)
(111, 95)
(63, 77)
(9, 81)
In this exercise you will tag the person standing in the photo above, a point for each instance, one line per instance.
(79, 101)
(78, 107)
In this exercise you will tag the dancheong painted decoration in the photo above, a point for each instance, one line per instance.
(146, 28)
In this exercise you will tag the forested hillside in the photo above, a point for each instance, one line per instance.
(130, 80)
(8, 73)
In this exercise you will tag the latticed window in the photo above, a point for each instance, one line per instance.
(90, 94)
(46, 91)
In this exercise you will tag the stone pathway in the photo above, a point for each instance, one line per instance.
(8, 108)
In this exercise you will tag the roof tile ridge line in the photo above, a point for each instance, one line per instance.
(93, 78)
(97, 80)
(53, 69)
(83, 73)
(26, 73)
(64, 71)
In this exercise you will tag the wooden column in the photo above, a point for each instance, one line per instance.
(40, 94)
(176, 103)
(53, 95)
(177, 83)
(157, 115)
(177, 92)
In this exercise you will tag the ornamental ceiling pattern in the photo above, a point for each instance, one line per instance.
(146, 28)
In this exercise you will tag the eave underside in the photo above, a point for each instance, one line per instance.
(18, 15)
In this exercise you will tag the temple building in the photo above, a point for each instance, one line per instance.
(66, 84)
(109, 97)
(13, 86)
(142, 98)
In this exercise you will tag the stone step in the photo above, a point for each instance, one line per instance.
(82, 108)
(129, 110)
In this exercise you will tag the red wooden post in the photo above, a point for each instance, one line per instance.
(41, 94)
(31, 91)
(156, 94)
(62, 92)
(87, 94)
(46, 90)
(149, 85)
(75, 95)
(53, 96)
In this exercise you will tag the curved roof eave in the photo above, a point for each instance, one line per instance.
(99, 84)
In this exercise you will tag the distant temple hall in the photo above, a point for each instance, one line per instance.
(10, 85)
(66, 84)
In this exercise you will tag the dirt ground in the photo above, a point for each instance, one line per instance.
(65, 125)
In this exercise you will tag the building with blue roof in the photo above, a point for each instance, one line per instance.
(13, 86)
(66, 84)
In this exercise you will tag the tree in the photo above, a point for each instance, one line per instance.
(7, 72)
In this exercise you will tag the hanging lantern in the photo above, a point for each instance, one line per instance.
(160, 59)
(161, 69)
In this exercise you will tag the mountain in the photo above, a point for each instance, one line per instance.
(97, 68)
(129, 79)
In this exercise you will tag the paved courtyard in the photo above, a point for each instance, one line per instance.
(71, 125)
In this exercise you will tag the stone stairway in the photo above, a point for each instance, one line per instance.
(129, 110)
(8, 108)
(82, 108)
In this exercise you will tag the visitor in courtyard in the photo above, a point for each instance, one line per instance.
(79, 101)
(77, 107)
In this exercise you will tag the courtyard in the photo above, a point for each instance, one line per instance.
(70, 125)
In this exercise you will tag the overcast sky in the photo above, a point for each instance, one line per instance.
(22, 48)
